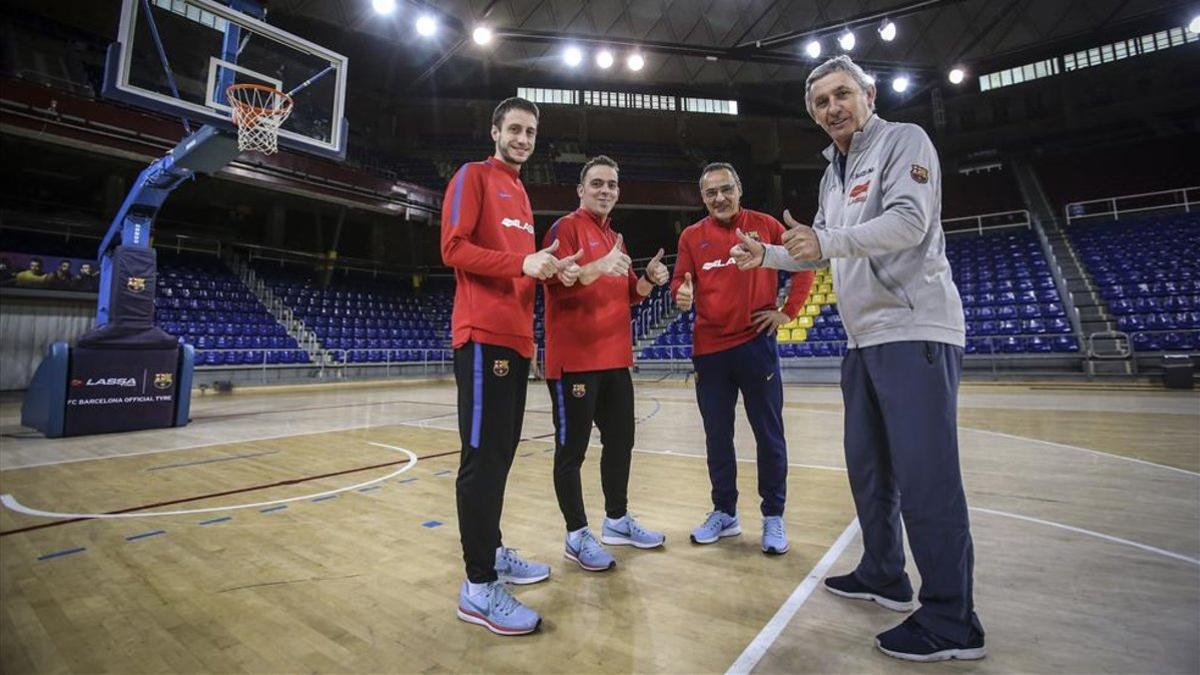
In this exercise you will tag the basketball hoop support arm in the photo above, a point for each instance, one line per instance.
(205, 151)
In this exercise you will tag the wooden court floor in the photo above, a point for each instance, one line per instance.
(314, 530)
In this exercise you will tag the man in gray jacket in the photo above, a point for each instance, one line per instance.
(879, 227)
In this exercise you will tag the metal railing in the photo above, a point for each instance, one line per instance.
(1113, 208)
(984, 222)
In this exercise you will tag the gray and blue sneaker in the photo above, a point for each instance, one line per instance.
(774, 539)
(583, 548)
(497, 610)
(626, 531)
(514, 569)
(718, 524)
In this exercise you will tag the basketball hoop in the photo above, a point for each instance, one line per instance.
(258, 112)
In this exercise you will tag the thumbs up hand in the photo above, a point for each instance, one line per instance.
(747, 253)
(800, 240)
(541, 264)
(656, 272)
(568, 269)
(615, 263)
(684, 295)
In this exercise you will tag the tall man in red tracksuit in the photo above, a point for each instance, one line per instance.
(589, 350)
(487, 237)
(734, 350)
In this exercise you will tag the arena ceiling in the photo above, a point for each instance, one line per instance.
(716, 45)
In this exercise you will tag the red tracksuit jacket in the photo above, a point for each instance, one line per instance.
(726, 297)
(587, 327)
(487, 230)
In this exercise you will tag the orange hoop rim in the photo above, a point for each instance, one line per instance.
(284, 107)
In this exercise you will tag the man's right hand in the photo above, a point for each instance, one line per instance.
(684, 296)
(541, 264)
(747, 253)
(615, 263)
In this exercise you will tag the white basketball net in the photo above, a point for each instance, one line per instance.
(258, 112)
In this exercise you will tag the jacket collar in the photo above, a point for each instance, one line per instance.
(606, 224)
(493, 162)
(739, 221)
(861, 138)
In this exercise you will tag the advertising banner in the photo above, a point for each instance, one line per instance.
(120, 390)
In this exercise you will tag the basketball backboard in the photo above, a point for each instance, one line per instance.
(179, 56)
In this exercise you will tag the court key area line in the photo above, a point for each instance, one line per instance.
(13, 504)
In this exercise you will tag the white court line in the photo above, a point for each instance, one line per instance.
(1087, 450)
(1077, 448)
(14, 505)
(766, 637)
(216, 443)
(1099, 535)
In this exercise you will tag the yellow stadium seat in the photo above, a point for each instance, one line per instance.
(831, 298)
(817, 298)
(783, 335)
(804, 321)
(826, 288)
(791, 324)
(799, 335)
(812, 310)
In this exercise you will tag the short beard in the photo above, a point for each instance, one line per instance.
(503, 152)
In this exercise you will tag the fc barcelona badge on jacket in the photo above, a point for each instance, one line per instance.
(500, 367)
(136, 284)
(919, 174)
(579, 390)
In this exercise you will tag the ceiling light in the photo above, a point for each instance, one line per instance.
(604, 58)
(384, 7)
(887, 30)
(900, 84)
(482, 35)
(573, 57)
(635, 62)
(846, 40)
(957, 75)
(1194, 24)
(426, 25)
(813, 49)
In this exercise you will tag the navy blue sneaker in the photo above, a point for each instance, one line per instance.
(913, 642)
(848, 586)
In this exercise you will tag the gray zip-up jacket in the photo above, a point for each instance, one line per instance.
(881, 232)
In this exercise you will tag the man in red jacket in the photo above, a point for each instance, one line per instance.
(487, 237)
(734, 350)
(589, 350)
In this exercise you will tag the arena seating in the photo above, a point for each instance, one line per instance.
(1009, 299)
(362, 320)
(200, 301)
(1147, 270)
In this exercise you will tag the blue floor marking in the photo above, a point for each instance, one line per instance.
(153, 533)
(321, 499)
(59, 554)
(273, 508)
(432, 523)
(370, 488)
(443, 472)
(407, 480)
(216, 520)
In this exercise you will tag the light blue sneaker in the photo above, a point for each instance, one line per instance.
(774, 537)
(514, 569)
(588, 552)
(718, 524)
(626, 531)
(497, 610)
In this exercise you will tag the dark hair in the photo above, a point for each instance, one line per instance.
(598, 160)
(35, 260)
(720, 166)
(514, 103)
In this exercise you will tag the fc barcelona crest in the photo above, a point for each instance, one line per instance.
(136, 284)
(919, 174)
(500, 367)
(753, 235)
(163, 380)
(579, 390)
